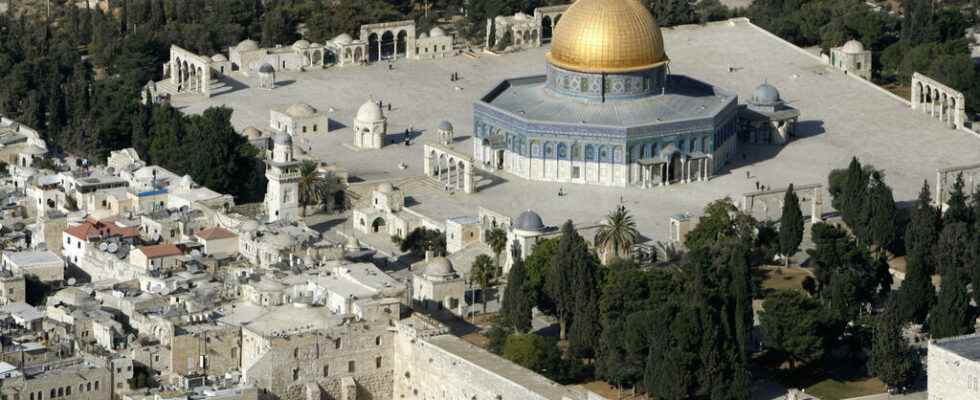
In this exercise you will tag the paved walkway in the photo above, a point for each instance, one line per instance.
(841, 117)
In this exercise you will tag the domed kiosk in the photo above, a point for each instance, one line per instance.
(370, 126)
(607, 111)
(852, 58)
(438, 287)
(766, 119)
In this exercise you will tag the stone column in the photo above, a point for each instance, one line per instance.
(468, 180)
(664, 180)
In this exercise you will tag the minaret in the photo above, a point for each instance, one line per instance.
(282, 194)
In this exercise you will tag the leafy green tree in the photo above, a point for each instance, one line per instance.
(792, 324)
(892, 360)
(481, 273)
(420, 240)
(538, 266)
(790, 225)
(952, 314)
(527, 350)
(721, 220)
(617, 233)
(277, 28)
(672, 12)
(518, 299)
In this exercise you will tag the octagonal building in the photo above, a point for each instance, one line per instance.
(608, 111)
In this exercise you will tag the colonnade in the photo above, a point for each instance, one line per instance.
(453, 171)
(938, 100)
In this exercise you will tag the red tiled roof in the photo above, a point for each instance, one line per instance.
(161, 250)
(215, 233)
(98, 229)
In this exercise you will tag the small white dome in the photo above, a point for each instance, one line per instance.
(252, 133)
(247, 45)
(386, 188)
(301, 110)
(853, 47)
(301, 44)
(445, 126)
(219, 58)
(343, 38)
(520, 16)
(369, 112)
(424, 35)
(437, 32)
(266, 68)
(439, 266)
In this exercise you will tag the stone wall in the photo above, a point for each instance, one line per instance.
(221, 346)
(72, 383)
(363, 351)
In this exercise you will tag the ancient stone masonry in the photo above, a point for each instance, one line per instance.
(768, 204)
(389, 39)
(946, 177)
(938, 100)
(188, 71)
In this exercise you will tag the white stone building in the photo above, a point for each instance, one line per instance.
(954, 368)
(386, 213)
(432, 45)
(298, 118)
(852, 58)
(370, 126)
(46, 265)
(438, 286)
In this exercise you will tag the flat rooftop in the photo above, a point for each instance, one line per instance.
(967, 346)
(840, 117)
(287, 318)
(31, 258)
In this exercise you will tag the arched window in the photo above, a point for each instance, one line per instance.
(590, 152)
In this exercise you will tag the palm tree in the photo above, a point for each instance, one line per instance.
(618, 232)
(481, 273)
(314, 187)
(497, 240)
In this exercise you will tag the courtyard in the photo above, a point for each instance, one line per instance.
(841, 117)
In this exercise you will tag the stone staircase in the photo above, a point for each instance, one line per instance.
(216, 86)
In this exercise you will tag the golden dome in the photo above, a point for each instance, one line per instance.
(607, 36)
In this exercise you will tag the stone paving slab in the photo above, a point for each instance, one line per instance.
(841, 117)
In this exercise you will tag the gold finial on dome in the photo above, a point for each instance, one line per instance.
(611, 36)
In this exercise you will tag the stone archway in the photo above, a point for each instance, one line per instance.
(377, 224)
(401, 43)
(387, 45)
(546, 29)
(675, 170)
(374, 47)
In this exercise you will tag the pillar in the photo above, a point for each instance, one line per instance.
(468, 180)
(663, 175)
(814, 213)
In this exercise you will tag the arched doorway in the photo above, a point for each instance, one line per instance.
(674, 169)
(387, 45)
(373, 47)
(401, 43)
(377, 225)
(546, 29)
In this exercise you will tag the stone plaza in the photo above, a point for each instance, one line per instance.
(840, 116)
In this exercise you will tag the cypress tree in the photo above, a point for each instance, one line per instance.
(892, 359)
(790, 225)
(852, 203)
(881, 214)
(559, 282)
(917, 294)
(516, 307)
(952, 251)
(951, 316)
(957, 209)
(585, 328)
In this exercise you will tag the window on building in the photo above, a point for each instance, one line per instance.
(296, 352)
(337, 343)
(295, 374)
(53, 394)
(350, 367)
(67, 390)
(377, 340)
(31, 397)
(304, 128)
(88, 387)
(377, 362)
(96, 385)
(326, 371)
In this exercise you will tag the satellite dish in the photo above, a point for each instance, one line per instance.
(113, 247)
(195, 253)
(71, 281)
(103, 246)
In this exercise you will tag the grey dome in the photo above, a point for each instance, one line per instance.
(282, 138)
(529, 221)
(266, 68)
(439, 266)
(765, 94)
(445, 126)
